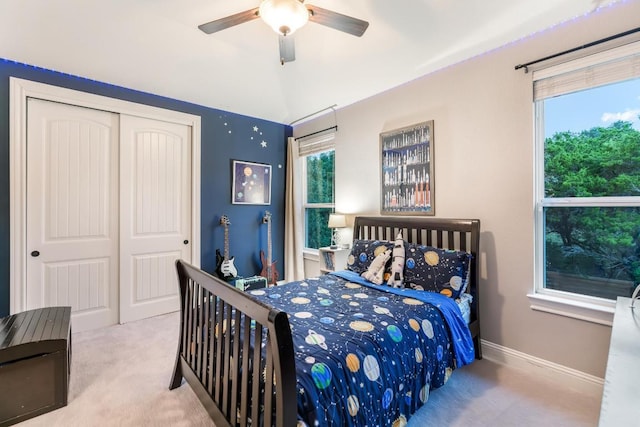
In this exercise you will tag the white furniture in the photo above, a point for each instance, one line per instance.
(621, 394)
(332, 259)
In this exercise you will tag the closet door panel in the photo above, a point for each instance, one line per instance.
(155, 229)
(72, 212)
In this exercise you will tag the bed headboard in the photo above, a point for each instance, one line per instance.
(445, 233)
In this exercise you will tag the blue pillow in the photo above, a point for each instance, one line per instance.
(363, 252)
(436, 270)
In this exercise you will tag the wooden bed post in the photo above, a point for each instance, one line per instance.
(176, 378)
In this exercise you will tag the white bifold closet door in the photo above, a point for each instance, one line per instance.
(108, 213)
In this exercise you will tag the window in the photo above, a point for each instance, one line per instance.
(318, 165)
(319, 203)
(588, 178)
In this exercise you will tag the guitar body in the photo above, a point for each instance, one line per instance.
(219, 259)
(268, 270)
(226, 270)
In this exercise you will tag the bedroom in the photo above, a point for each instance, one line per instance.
(482, 111)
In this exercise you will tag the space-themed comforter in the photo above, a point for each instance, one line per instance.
(368, 354)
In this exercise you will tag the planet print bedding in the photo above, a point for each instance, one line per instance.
(368, 354)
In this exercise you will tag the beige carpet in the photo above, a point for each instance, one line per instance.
(488, 394)
(120, 377)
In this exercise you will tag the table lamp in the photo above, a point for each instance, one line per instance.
(336, 221)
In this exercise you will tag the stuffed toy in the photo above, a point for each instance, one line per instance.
(397, 263)
(375, 272)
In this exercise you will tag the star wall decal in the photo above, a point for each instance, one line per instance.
(255, 128)
(264, 144)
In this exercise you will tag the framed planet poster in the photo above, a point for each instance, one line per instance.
(251, 183)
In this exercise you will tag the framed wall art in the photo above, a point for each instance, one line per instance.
(407, 171)
(251, 183)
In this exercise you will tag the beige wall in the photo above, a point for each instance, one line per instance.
(483, 114)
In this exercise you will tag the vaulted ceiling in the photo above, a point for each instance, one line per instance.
(155, 46)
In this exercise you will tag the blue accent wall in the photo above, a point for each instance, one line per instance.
(225, 137)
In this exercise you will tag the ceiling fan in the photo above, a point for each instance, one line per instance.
(285, 17)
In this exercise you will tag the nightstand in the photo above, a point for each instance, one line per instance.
(332, 259)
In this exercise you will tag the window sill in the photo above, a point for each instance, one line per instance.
(310, 254)
(590, 312)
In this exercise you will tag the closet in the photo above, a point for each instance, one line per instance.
(108, 210)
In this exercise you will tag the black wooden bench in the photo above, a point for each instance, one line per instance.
(35, 362)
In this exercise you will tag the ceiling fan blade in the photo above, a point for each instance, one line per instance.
(287, 49)
(229, 21)
(337, 21)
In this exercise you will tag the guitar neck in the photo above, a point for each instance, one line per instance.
(226, 242)
(269, 243)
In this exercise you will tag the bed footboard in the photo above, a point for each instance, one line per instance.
(235, 352)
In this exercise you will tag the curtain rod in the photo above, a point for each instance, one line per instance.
(331, 107)
(597, 42)
(317, 132)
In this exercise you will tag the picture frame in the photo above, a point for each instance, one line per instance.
(407, 170)
(251, 183)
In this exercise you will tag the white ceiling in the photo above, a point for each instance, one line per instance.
(155, 46)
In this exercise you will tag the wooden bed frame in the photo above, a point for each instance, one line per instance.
(220, 326)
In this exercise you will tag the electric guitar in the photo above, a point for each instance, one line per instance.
(225, 268)
(268, 267)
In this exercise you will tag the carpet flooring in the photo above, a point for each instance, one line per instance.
(120, 377)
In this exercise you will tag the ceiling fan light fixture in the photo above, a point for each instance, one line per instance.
(284, 16)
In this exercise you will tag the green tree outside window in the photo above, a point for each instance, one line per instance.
(598, 244)
(320, 191)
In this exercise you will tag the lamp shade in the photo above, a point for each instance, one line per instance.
(284, 16)
(337, 221)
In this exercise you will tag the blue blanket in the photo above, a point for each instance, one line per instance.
(367, 355)
(462, 341)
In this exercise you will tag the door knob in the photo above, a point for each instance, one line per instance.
(186, 242)
(35, 253)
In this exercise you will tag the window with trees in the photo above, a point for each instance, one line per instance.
(588, 177)
(319, 198)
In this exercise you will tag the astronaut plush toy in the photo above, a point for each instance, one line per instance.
(375, 272)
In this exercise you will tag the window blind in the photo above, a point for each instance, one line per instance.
(316, 144)
(611, 66)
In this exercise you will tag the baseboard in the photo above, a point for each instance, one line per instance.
(572, 378)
